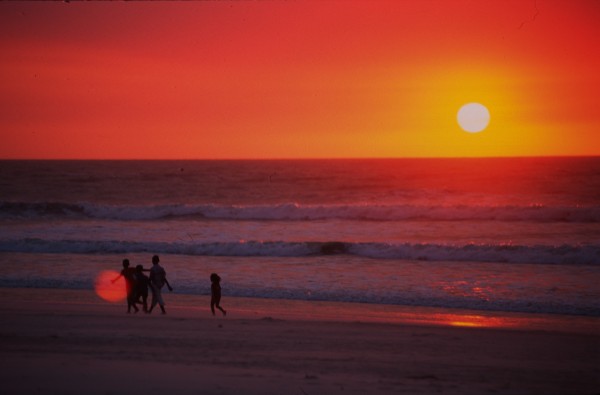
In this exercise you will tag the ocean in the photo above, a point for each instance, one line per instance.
(495, 234)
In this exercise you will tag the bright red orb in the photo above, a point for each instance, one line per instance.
(107, 290)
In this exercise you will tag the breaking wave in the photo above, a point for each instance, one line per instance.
(296, 212)
(508, 253)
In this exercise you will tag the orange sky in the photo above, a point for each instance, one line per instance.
(297, 79)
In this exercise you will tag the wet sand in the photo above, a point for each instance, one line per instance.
(71, 342)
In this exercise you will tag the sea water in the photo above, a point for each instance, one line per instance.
(499, 234)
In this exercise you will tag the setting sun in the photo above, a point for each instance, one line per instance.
(233, 80)
(384, 196)
(473, 117)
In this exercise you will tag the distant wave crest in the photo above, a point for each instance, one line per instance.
(508, 253)
(296, 212)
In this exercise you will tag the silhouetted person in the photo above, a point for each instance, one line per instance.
(215, 293)
(128, 274)
(141, 287)
(158, 278)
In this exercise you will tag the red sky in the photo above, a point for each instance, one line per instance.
(301, 79)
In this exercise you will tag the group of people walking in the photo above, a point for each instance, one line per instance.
(137, 285)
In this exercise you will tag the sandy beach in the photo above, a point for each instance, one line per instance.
(71, 342)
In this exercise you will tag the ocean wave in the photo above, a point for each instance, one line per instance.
(296, 212)
(507, 253)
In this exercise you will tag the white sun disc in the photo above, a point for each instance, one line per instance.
(473, 117)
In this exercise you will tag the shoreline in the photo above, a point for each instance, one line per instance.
(197, 306)
(70, 341)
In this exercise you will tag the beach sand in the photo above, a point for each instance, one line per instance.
(72, 342)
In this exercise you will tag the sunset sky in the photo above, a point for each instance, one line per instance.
(297, 79)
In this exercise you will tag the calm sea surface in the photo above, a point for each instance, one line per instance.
(494, 234)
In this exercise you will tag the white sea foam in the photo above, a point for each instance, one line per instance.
(414, 232)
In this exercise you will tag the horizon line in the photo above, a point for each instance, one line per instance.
(304, 158)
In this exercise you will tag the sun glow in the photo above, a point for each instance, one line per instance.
(473, 117)
(346, 84)
(509, 133)
(106, 289)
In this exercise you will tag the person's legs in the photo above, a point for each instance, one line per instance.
(161, 302)
(154, 299)
(157, 299)
(131, 303)
(145, 301)
(216, 302)
(128, 292)
(220, 308)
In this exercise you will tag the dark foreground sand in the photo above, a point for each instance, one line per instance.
(71, 342)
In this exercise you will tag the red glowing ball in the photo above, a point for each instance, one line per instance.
(109, 290)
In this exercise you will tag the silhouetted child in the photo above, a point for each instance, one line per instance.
(141, 287)
(128, 274)
(215, 293)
